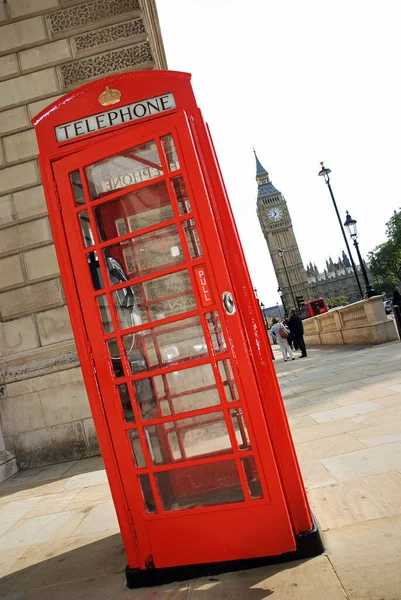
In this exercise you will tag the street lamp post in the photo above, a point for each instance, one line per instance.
(280, 293)
(350, 224)
(262, 308)
(281, 255)
(324, 172)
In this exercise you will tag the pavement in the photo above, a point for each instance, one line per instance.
(59, 537)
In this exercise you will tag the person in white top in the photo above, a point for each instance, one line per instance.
(282, 341)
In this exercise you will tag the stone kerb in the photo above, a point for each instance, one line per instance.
(363, 322)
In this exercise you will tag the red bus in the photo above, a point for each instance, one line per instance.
(313, 308)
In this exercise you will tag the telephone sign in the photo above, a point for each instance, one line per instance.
(173, 348)
(111, 118)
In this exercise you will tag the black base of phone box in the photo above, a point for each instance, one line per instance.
(308, 545)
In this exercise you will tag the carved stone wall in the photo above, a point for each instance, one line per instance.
(363, 322)
(87, 15)
(48, 47)
(97, 66)
(104, 37)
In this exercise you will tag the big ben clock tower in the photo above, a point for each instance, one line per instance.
(276, 225)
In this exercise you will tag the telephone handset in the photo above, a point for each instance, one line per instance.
(125, 296)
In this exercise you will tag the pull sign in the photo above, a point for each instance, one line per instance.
(203, 286)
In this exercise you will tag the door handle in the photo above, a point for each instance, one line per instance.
(228, 303)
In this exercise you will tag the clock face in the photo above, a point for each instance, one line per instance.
(275, 213)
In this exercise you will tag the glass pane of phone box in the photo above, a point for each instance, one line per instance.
(134, 165)
(149, 252)
(200, 485)
(133, 211)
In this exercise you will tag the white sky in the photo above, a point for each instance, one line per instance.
(302, 81)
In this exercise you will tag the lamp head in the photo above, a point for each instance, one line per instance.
(350, 224)
(324, 172)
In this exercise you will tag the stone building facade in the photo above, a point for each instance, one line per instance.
(48, 47)
(337, 279)
(275, 221)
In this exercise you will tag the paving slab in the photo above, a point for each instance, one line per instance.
(324, 430)
(352, 410)
(379, 459)
(315, 474)
(329, 446)
(366, 557)
(376, 435)
(358, 500)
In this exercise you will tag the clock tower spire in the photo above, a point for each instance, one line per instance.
(276, 225)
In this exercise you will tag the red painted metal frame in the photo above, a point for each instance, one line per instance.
(252, 334)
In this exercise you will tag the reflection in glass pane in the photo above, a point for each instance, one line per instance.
(196, 436)
(132, 166)
(148, 253)
(150, 504)
(181, 195)
(229, 384)
(174, 446)
(115, 358)
(122, 226)
(77, 188)
(170, 152)
(105, 314)
(252, 477)
(128, 259)
(171, 344)
(216, 331)
(86, 228)
(157, 299)
(137, 448)
(200, 485)
(146, 398)
(179, 391)
(126, 403)
(156, 443)
(240, 428)
(133, 211)
(136, 358)
(193, 241)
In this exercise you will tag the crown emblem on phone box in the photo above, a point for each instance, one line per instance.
(109, 96)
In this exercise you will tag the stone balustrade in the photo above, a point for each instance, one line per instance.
(363, 322)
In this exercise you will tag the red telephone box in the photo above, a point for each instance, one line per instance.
(172, 344)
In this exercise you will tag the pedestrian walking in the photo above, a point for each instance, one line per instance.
(297, 331)
(280, 333)
(290, 339)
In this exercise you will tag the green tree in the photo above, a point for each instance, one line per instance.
(385, 259)
(337, 301)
